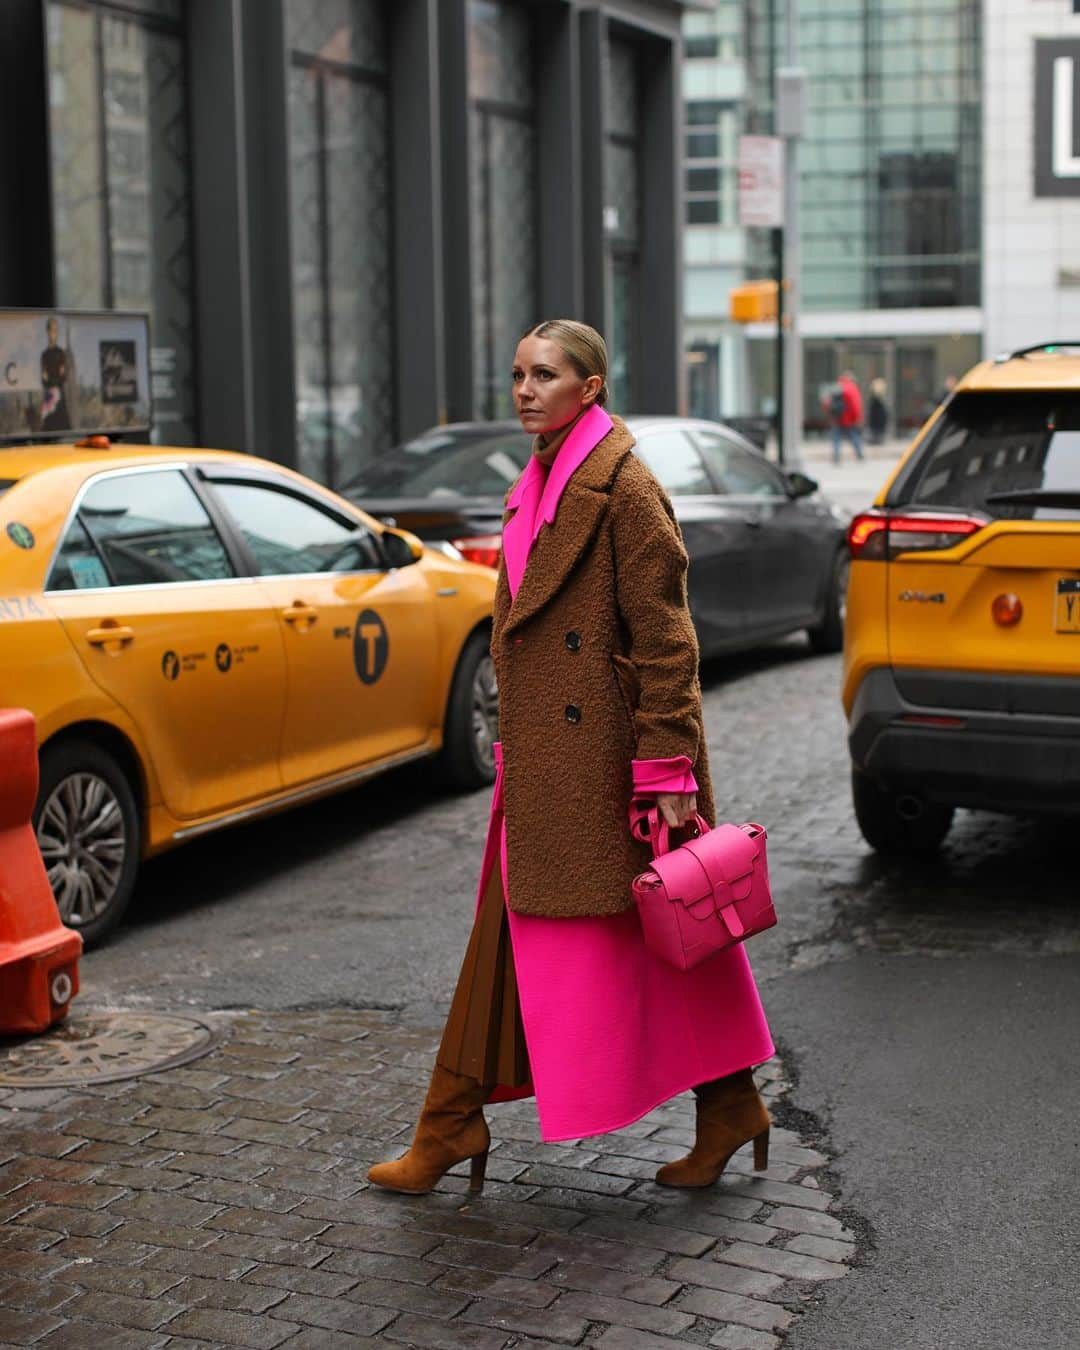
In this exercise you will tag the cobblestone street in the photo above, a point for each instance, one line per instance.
(223, 1203)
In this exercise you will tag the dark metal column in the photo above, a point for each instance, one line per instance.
(26, 242)
(596, 289)
(220, 211)
(661, 379)
(457, 259)
(418, 216)
(559, 141)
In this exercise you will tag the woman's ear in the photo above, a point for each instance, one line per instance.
(592, 388)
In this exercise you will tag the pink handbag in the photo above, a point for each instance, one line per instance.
(708, 894)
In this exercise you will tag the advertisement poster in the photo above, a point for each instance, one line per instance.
(65, 374)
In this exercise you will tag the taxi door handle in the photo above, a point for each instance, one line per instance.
(300, 613)
(98, 637)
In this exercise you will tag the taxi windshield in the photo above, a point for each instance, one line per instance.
(6, 483)
(1010, 456)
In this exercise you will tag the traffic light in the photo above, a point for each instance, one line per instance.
(753, 302)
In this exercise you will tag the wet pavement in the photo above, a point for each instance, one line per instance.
(927, 1019)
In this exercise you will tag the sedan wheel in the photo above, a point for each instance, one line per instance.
(88, 833)
(485, 713)
(828, 636)
(472, 718)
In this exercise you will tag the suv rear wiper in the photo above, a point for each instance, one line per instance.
(1036, 497)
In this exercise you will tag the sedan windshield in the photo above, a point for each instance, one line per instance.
(445, 464)
(1012, 456)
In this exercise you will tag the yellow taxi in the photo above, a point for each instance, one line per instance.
(962, 642)
(205, 637)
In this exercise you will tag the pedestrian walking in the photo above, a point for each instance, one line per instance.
(600, 706)
(843, 404)
(877, 411)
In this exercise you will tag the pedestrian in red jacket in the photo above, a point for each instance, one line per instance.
(844, 406)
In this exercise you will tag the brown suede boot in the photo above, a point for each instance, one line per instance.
(451, 1128)
(729, 1114)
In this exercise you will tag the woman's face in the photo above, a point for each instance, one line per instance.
(548, 391)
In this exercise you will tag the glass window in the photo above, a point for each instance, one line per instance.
(289, 535)
(502, 194)
(675, 462)
(442, 465)
(148, 528)
(350, 32)
(342, 231)
(78, 564)
(741, 472)
(121, 184)
(999, 454)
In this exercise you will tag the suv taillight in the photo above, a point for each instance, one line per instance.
(875, 536)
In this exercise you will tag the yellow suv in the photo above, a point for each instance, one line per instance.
(962, 644)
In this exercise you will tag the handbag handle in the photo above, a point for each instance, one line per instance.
(659, 832)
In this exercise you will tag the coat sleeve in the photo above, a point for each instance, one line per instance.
(650, 585)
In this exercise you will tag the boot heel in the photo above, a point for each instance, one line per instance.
(477, 1171)
(761, 1150)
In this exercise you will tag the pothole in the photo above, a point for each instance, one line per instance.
(104, 1047)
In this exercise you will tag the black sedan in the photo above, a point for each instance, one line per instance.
(767, 554)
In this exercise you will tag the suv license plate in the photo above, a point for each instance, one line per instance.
(1067, 605)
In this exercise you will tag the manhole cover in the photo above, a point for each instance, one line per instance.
(103, 1047)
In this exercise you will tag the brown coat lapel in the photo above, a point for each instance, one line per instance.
(559, 546)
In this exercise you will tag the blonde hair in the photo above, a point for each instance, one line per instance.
(582, 346)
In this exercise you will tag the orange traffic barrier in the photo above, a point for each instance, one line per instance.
(39, 957)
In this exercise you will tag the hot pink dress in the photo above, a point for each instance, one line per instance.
(612, 1031)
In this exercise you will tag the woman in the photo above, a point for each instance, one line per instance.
(597, 660)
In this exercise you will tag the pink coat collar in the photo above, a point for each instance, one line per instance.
(536, 495)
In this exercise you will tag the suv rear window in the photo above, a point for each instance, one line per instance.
(1010, 456)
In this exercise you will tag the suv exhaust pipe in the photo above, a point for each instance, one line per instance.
(909, 807)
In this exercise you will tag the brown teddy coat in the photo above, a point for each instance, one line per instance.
(597, 665)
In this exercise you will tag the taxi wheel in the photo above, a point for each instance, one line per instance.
(828, 636)
(472, 718)
(87, 826)
(896, 824)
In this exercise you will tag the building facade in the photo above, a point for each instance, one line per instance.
(341, 214)
(891, 194)
(1031, 203)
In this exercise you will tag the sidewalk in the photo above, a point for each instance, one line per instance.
(223, 1203)
(851, 483)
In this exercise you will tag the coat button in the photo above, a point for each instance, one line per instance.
(573, 641)
(573, 712)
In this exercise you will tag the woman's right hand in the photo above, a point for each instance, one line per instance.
(677, 808)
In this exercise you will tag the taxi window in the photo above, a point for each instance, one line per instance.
(288, 534)
(675, 462)
(140, 529)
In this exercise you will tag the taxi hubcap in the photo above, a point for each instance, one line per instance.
(83, 841)
(485, 711)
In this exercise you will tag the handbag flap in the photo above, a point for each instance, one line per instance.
(719, 862)
(683, 876)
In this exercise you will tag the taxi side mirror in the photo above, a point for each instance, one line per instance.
(402, 549)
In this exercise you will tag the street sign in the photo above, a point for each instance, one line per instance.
(761, 181)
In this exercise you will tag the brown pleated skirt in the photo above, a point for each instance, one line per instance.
(484, 1037)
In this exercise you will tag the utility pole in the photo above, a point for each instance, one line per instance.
(778, 254)
(790, 99)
